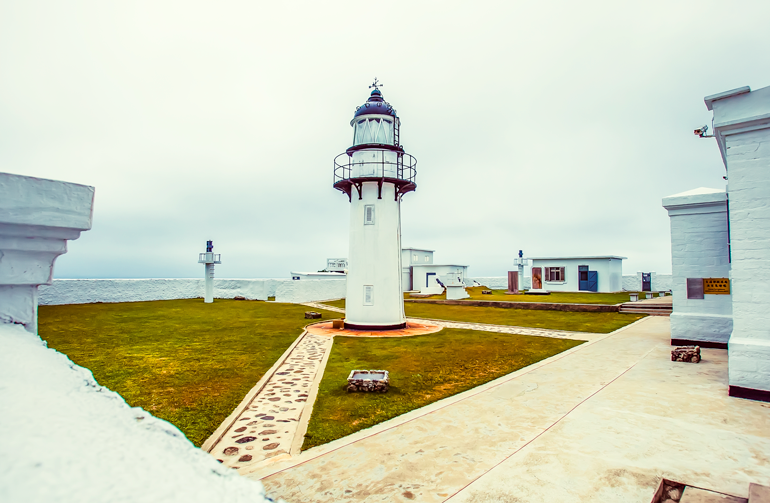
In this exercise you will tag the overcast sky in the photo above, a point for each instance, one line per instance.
(552, 127)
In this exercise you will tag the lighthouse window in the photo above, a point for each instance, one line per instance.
(368, 295)
(373, 131)
(369, 214)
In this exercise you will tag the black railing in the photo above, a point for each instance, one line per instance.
(403, 168)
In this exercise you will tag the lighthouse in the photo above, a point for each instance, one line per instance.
(375, 173)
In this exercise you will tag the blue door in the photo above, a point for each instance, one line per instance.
(593, 281)
(582, 277)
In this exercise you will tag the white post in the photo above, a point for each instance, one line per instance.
(209, 284)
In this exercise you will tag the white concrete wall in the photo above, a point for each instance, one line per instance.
(699, 250)
(375, 259)
(660, 282)
(501, 282)
(84, 291)
(742, 126)
(67, 439)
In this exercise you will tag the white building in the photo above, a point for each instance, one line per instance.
(375, 173)
(409, 258)
(742, 130)
(424, 277)
(571, 274)
(699, 249)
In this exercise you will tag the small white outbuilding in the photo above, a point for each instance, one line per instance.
(424, 276)
(572, 274)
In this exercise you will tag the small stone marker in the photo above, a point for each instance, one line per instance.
(690, 354)
(312, 315)
(338, 324)
(634, 297)
(486, 292)
(369, 381)
(239, 297)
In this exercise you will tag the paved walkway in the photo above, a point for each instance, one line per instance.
(273, 418)
(600, 422)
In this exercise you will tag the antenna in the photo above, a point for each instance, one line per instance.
(376, 84)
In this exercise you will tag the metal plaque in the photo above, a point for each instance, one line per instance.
(716, 286)
(694, 288)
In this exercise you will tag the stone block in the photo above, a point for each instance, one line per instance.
(338, 324)
(486, 292)
(372, 381)
(312, 315)
(690, 354)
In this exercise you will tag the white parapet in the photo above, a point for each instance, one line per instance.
(742, 130)
(37, 217)
(699, 249)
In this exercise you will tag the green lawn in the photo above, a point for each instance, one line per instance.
(555, 297)
(423, 369)
(185, 361)
(601, 323)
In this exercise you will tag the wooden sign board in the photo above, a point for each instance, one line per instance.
(716, 286)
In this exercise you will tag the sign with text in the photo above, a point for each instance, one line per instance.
(336, 264)
(716, 286)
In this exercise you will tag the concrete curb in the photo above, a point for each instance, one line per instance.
(537, 306)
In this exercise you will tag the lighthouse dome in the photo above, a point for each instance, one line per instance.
(375, 105)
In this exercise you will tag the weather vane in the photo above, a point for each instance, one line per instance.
(376, 84)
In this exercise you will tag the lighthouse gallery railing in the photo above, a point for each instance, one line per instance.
(404, 168)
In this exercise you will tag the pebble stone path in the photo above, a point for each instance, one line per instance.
(268, 425)
(505, 329)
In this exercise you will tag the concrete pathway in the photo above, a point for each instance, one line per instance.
(506, 329)
(600, 422)
(272, 420)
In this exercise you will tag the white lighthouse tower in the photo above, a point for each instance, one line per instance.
(209, 259)
(375, 173)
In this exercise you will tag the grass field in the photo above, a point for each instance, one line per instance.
(423, 369)
(554, 297)
(601, 323)
(184, 361)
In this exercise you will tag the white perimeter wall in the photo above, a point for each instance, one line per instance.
(660, 282)
(67, 439)
(84, 291)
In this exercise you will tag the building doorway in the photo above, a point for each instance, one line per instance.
(588, 281)
(428, 277)
(537, 278)
(646, 282)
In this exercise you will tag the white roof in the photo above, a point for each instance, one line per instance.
(701, 195)
(319, 273)
(438, 265)
(417, 249)
(582, 257)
